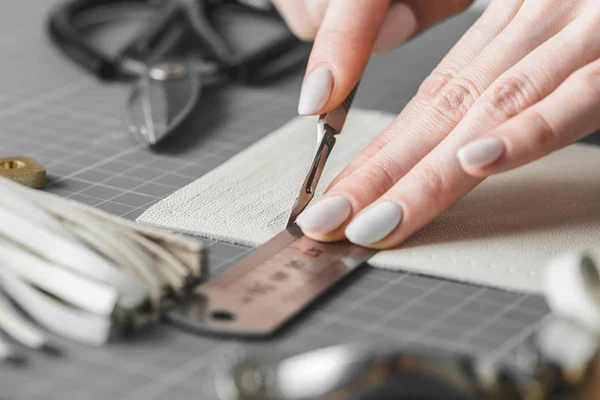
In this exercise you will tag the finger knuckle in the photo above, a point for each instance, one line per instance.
(544, 135)
(456, 98)
(433, 84)
(432, 182)
(589, 80)
(480, 29)
(377, 178)
(553, 8)
(542, 17)
(511, 95)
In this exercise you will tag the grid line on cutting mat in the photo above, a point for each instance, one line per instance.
(56, 114)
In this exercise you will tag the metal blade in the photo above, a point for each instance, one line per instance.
(328, 126)
(160, 101)
(309, 186)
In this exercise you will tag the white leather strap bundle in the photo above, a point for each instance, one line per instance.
(572, 289)
(570, 338)
(77, 271)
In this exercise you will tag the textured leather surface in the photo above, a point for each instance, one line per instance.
(500, 235)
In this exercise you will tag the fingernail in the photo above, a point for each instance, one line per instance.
(315, 91)
(398, 26)
(374, 224)
(325, 216)
(481, 152)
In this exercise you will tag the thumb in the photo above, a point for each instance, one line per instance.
(340, 52)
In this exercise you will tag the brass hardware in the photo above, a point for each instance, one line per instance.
(23, 170)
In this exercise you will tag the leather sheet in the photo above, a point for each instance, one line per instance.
(500, 235)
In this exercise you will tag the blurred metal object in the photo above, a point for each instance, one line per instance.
(165, 72)
(363, 372)
(560, 361)
(164, 96)
(181, 46)
(160, 101)
(24, 171)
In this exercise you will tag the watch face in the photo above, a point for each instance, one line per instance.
(413, 388)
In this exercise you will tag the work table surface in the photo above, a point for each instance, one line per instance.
(58, 115)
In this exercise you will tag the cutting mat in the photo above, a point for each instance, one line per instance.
(56, 114)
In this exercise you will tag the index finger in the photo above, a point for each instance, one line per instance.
(340, 53)
(346, 38)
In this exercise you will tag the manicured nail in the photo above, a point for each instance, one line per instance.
(315, 91)
(398, 26)
(325, 216)
(481, 152)
(374, 224)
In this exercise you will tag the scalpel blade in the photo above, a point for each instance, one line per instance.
(309, 186)
(328, 126)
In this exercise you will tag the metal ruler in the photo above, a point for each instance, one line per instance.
(266, 289)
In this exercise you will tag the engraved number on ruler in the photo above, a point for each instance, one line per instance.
(293, 268)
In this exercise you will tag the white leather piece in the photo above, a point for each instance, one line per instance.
(70, 267)
(158, 260)
(572, 289)
(6, 352)
(63, 283)
(502, 234)
(583, 344)
(55, 315)
(71, 254)
(17, 327)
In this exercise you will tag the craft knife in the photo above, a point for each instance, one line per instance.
(260, 293)
(328, 126)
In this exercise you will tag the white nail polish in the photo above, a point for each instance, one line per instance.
(481, 152)
(315, 91)
(374, 224)
(325, 216)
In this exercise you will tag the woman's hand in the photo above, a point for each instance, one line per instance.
(522, 82)
(347, 32)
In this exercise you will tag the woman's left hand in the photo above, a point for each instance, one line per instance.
(523, 82)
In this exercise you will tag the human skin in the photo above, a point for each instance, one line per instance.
(522, 82)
